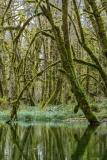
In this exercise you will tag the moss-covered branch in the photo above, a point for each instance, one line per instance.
(100, 24)
(15, 103)
(10, 27)
(68, 65)
(37, 5)
(22, 28)
(8, 6)
(51, 65)
(87, 47)
(79, 22)
(47, 34)
(85, 63)
(65, 24)
(28, 83)
(55, 93)
(88, 75)
(30, 1)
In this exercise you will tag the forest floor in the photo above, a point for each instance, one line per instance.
(55, 113)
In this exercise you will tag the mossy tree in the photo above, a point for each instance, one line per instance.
(39, 36)
(63, 44)
(84, 42)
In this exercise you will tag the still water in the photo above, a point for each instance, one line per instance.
(53, 141)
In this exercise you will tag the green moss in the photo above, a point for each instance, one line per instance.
(3, 100)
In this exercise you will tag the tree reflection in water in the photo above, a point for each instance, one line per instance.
(83, 142)
(52, 142)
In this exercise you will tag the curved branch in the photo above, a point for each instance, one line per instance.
(88, 75)
(22, 28)
(59, 9)
(28, 83)
(86, 63)
(8, 6)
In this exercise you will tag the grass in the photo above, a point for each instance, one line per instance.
(4, 115)
(100, 109)
(47, 114)
(54, 113)
(51, 113)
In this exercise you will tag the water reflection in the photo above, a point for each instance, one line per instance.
(83, 142)
(53, 142)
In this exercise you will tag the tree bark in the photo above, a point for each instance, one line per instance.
(63, 46)
(100, 25)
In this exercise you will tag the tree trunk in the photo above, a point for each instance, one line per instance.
(63, 46)
(55, 93)
(87, 47)
(100, 25)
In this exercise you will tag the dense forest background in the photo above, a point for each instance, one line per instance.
(53, 52)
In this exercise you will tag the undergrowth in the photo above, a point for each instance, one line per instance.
(49, 113)
(55, 112)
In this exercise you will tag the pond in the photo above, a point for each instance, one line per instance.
(53, 141)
